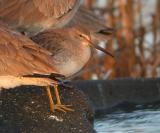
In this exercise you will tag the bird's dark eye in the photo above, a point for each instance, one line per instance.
(80, 35)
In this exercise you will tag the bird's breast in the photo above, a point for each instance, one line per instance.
(72, 63)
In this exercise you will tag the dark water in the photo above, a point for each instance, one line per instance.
(137, 121)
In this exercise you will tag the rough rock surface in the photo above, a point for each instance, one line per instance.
(26, 110)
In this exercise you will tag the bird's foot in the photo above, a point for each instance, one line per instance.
(63, 108)
(66, 83)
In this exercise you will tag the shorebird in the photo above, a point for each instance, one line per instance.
(23, 62)
(95, 25)
(33, 16)
(70, 48)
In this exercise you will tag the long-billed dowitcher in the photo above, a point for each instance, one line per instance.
(70, 48)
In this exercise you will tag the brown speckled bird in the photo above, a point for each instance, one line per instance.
(33, 16)
(23, 62)
(70, 48)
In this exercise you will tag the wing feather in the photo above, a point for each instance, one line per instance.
(19, 56)
(56, 8)
(33, 16)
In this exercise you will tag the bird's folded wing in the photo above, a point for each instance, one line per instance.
(56, 8)
(12, 7)
(49, 8)
(19, 56)
(55, 41)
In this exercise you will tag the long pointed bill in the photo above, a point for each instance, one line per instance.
(99, 48)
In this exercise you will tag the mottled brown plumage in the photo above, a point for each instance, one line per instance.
(21, 59)
(19, 56)
(32, 16)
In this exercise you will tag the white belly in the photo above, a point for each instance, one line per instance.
(74, 64)
(70, 68)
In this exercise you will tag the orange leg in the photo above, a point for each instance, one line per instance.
(59, 106)
(51, 103)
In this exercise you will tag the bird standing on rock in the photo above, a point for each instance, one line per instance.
(33, 16)
(23, 62)
(70, 48)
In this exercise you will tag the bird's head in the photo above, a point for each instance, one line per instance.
(83, 35)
